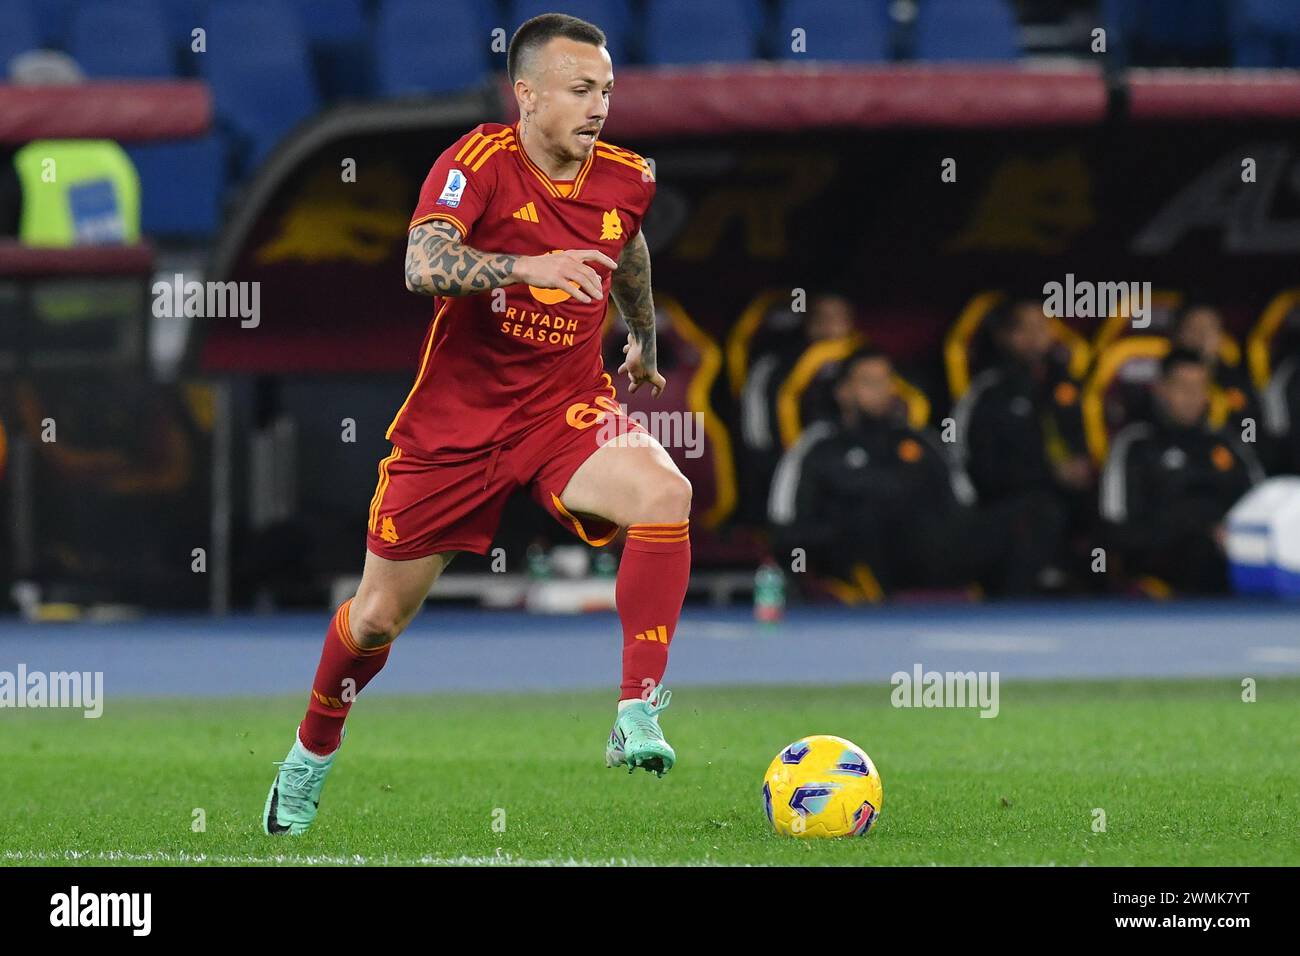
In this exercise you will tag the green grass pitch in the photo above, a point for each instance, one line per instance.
(1186, 773)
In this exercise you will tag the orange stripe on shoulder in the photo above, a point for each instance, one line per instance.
(640, 166)
(493, 144)
(476, 142)
(471, 142)
(606, 144)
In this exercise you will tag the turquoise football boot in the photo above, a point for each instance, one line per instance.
(637, 740)
(295, 794)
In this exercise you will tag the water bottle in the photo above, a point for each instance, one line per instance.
(604, 565)
(769, 593)
(539, 562)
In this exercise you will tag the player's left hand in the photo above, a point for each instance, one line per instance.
(637, 373)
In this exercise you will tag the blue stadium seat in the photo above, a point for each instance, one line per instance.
(333, 21)
(125, 38)
(1265, 33)
(261, 79)
(181, 184)
(339, 35)
(966, 30)
(851, 30)
(1187, 26)
(612, 16)
(1270, 16)
(1160, 30)
(684, 31)
(52, 20)
(423, 48)
(18, 32)
(182, 17)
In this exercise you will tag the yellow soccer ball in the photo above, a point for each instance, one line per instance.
(822, 786)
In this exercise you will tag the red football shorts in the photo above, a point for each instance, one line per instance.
(422, 507)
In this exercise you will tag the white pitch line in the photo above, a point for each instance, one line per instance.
(295, 859)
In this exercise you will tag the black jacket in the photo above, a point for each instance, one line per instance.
(1164, 483)
(1011, 425)
(836, 471)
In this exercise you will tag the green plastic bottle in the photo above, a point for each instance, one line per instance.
(539, 562)
(769, 593)
(604, 565)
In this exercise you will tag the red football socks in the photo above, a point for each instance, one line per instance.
(649, 592)
(344, 670)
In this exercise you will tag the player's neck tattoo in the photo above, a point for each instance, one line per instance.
(552, 166)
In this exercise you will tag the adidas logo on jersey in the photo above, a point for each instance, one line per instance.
(527, 212)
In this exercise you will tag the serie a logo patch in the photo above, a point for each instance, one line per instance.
(454, 189)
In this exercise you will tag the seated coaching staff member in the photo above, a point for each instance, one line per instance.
(867, 489)
(1169, 482)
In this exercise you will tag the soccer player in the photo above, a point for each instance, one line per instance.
(520, 234)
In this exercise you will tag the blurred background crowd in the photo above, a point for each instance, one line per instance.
(860, 203)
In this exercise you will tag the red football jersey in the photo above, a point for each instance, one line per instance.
(493, 362)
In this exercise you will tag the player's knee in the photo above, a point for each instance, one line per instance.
(669, 498)
(376, 622)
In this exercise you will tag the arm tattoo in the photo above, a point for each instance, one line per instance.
(438, 263)
(630, 288)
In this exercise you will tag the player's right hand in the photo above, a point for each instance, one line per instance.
(566, 270)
